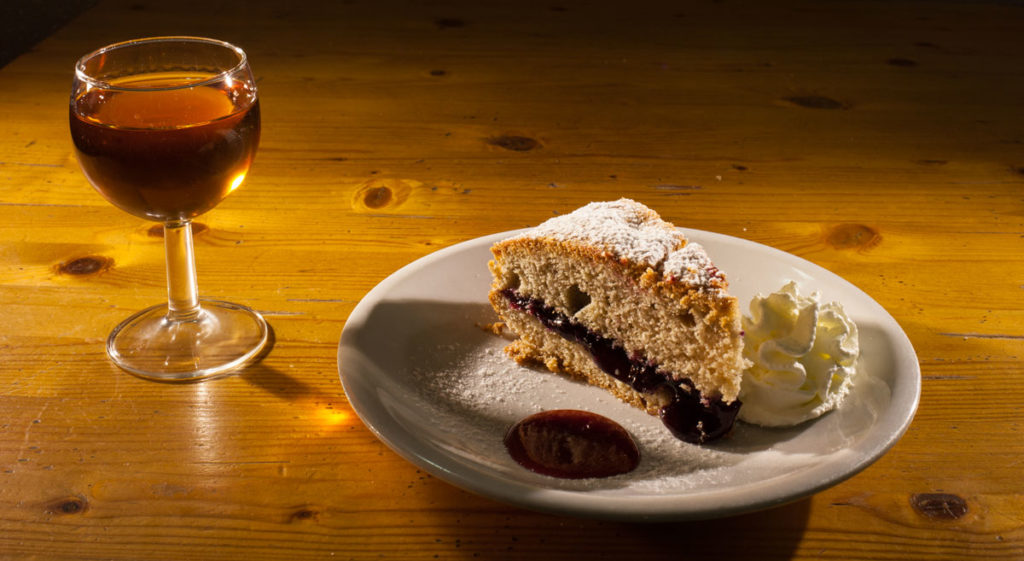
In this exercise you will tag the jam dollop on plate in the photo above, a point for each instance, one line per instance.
(572, 444)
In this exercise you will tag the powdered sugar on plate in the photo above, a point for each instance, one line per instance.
(476, 393)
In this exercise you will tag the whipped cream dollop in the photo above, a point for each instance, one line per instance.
(803, 354)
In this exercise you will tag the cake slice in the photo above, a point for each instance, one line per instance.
(616, 296)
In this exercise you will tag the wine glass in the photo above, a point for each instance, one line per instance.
(165, 128)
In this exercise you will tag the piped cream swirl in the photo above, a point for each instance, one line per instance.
(803, 354)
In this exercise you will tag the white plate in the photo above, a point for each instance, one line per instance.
(435, 387)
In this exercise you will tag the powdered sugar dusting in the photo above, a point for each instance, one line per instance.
(624, 228)
(630, 230)
(691, 265)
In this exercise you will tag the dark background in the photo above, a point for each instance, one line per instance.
(24, 23)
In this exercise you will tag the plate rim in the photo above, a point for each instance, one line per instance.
(675, 507)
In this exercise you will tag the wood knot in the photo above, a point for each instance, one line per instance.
(377, 197)
(938, 506)
(85, 265)
(69, 505)
(438, 72)
(815, 102)
(514, 143)
(157, 230)
(853, 236)
(304, 513)
(378, 194)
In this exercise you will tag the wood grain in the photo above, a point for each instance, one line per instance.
(881, 140)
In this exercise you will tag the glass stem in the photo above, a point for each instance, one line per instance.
(182, 289)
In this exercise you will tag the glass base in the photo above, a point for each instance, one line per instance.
(218, 339)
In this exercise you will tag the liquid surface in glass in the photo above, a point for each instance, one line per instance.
(166, 154)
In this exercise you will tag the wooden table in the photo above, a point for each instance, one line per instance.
(883, 141)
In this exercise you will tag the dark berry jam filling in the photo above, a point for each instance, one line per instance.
(689, 416)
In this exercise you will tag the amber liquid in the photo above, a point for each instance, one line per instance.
(166, 154)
